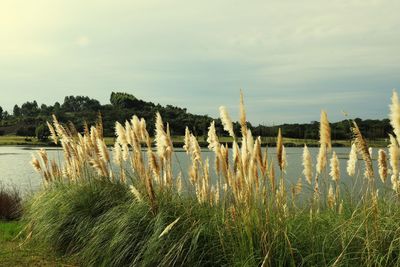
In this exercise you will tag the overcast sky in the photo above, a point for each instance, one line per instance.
(292, 58)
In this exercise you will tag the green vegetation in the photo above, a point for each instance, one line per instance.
(10, 203)
(14, 250)
(130, 208)
(119, 230)
(29, 120)
(11, 140)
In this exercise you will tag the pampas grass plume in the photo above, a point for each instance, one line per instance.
(226, 121)
(307, 164)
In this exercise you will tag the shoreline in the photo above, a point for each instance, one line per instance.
(11, 140)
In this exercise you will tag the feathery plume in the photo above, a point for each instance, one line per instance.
(394, 115)
(196, 151)
(161, 137)
(394, 161)
(331, 198)
(362, 148)
(103, 150)
(212, 139)
(53, 134)
(136, 193)
(186, 145)
(325, 131)
(307, 164)
(284, 159)
(117, 157)
(351, 163)
(335, 168)
(321, 159)
(36, 164)
(43, 155)
(382, 164)
(279, 148)
(120, 133)
(226, 121)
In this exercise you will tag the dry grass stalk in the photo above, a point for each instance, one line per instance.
(362, 148)
(394, 153)
(394, 115)
(331, 198)
(186, 141)
(136, 193)
(382, 164)
(226, 121)
(335, 168)
(351, 163)
(321, 159)
(307, 164)
(284, 159)
(279, 148)
(169, 228)
(325, 131)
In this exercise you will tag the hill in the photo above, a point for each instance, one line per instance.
(29, 119)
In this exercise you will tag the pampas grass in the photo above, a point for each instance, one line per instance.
(334, 168)
(394, 115)
(147, 212)
(394, 153)
(279, 149)
(321, 159)
(307, 164)
(325, 131)
(226, 120)
(351, 163)
(362, 148)
(382, 164)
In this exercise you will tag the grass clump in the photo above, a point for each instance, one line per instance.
(10, 203)
(130, 208)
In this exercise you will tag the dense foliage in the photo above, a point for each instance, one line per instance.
(80, 109)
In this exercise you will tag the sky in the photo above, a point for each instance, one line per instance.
(291, 58)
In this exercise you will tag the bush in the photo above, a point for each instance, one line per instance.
(42, 132)
(10, 203)
(102, 224)
(26, 131)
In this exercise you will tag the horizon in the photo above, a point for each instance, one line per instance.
(290, 59)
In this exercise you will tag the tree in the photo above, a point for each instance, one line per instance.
(123, 100)
(1, 113)
(17, 111)
(42, 132)
(80, 103)
(30, 109)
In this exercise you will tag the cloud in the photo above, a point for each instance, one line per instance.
(288, 56)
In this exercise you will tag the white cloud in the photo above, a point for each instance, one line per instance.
(195, 52)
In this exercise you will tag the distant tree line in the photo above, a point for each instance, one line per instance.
(29, 119)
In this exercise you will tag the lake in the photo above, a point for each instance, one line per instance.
(15, 165)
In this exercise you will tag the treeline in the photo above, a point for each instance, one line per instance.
(29, 119)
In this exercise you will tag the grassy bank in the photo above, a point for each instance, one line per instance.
(130, 208)
(14, 250)
(178, 141)
(119, 229)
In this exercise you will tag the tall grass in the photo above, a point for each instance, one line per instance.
(10, 203)
(129, 208)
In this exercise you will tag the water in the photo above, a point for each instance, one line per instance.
(15, 165)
